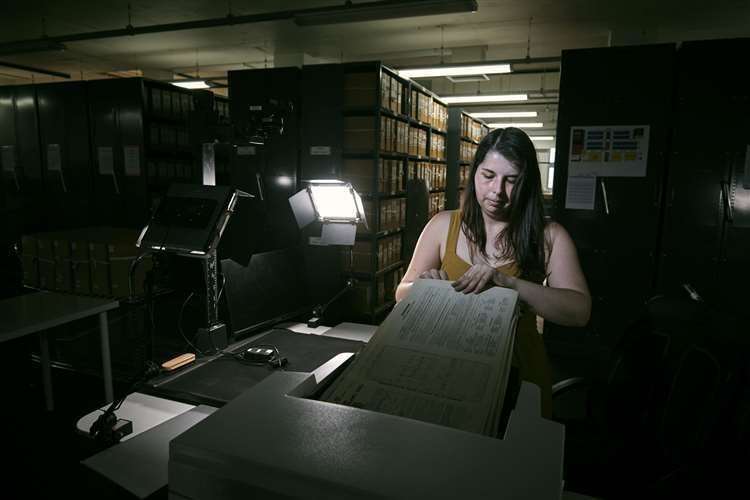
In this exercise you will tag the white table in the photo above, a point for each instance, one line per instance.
(143, 410)
(37, 312)
(139, 462)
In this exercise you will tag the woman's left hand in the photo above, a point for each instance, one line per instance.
(479, 277)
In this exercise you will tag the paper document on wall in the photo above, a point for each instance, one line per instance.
(54, 161)
(440, 356)
(132, 160)
(106, 160)
(580, 193)
(8, 158)
(608, 151)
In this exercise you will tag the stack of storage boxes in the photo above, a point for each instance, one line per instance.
(391, 216)
(387, 180)
(92, 261)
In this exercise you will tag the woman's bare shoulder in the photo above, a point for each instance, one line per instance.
(442, 219)
(554, 231)
(440, 222)
(437, 228)
(556, 234)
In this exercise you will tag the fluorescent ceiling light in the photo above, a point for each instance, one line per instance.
(484, 98)
(384, 9)
(541, 138)
(191, 84)
(484, 69)
(468, 78)
(517, 125)
(505, 114)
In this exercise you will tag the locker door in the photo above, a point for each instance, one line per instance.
(116, 121)
(9, 197)
(108, 206)
(280, 154)
(616, 240)
(29, 159)
(693, 221)
(705, 226)
(130, 110)
(734, 259)
(322, 95)
(64, 133)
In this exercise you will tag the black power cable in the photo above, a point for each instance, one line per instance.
(107, 429)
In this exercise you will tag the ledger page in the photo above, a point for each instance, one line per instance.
(440, 356)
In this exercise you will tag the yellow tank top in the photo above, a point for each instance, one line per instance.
(529, 354)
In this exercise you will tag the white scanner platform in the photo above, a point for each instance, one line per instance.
(274, 442)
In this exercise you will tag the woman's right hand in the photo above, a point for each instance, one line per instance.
(434, 274)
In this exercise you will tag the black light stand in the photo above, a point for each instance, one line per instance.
(320, 309)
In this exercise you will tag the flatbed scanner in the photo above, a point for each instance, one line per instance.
(275, 441)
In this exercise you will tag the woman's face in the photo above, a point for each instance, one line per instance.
(493, 182)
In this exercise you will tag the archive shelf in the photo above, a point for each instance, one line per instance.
(394, 130)
(381, 131)
(373, 155)
(383, 196)
(97, 149)
(380, 234)
(170, 155)
(103, 152)
(154, 140)
(372, 111)
(464, 134)
(374, 274)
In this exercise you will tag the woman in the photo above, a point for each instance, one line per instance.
(499, 238)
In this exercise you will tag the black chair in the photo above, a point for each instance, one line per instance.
(667, 402)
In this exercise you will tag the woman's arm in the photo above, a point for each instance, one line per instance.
(426, 259)
(566, 301)
(564, 306)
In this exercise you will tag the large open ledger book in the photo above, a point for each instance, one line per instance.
(440, 356)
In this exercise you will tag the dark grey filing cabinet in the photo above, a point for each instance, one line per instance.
(687, 222)
(65, 152)
(617, 241)
(21, 159)
(706, 238)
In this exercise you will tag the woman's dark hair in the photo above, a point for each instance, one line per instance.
(522, 240)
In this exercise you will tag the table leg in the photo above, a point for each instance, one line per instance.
(106, 360)
(46, 371)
